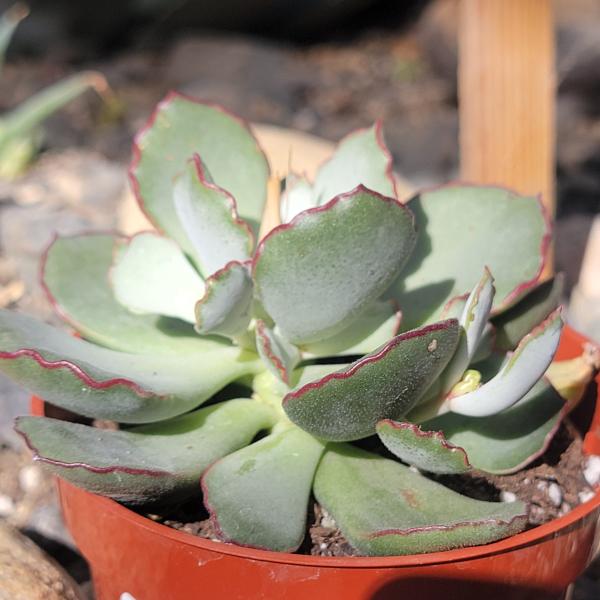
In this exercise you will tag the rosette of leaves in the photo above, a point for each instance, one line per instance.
(261, 368)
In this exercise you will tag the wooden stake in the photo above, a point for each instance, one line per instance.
(507, 95)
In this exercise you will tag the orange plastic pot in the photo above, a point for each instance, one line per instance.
(130, 554)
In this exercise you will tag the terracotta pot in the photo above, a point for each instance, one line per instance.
(131, 554)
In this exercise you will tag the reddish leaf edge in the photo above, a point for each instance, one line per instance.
(522, 288)
(136, 150)
(79, 373)
(266, 344)
(437, 435)
(426, 528)
(214, 518)
(241, 224)
(210, 282)
(368, 359)
(346, 196)
(38, 457)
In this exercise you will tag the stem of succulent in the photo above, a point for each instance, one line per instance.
(271, 216)
(270, 391)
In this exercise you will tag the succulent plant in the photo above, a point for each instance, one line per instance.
(20, 137)
(361, 345)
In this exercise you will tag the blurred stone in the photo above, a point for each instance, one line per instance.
(65, 193)
(27, 573)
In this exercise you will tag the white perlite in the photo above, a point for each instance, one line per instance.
(507, 496)
(7, 506)
(585, 496)
(555, 494)
(591, 472)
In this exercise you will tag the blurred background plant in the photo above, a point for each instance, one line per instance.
(20, 134)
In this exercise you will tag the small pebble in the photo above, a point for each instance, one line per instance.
(586, 495)
(326, 519)
(592, 470)
(7, 506)
(507, 496)
(555, 494)
(30, 478)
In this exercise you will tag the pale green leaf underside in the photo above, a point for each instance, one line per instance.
(226, 307)
(519, 320)
(426, 450)
(385, 509)
(147, 464)
(208, 215)
(473, 320)
(386, 384)
(297, 197)
(259, 495)
(463, 229)
(102, 383)
(377, 325)
(314, 276)
(75, 273)
(153, 276)
(508, 441)
(182, 127)
(360, 159)
(517, 376)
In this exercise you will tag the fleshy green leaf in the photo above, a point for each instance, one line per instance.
(225, 309)
(362, 158)
(426, 450)
(517, 376)
(386, 384)
(152, 276)
(385, 509)
(258, 496)
(458, 236)
(145, 464)
(296, 197)
(376, 326)
(517, 321)
(508, 441)
(277, 353)
(317, 274)
(208, 215)
(102, 383)
(75, 276)
(181, 127)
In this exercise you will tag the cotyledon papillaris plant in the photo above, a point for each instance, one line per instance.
(424, 326)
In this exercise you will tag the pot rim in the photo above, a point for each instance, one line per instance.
(527, 538)
(530, 537)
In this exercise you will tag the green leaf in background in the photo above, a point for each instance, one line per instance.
(75, 275)
(180, 128)
(463, 229)
(362, 158)
(385, 509)
(520, 319)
